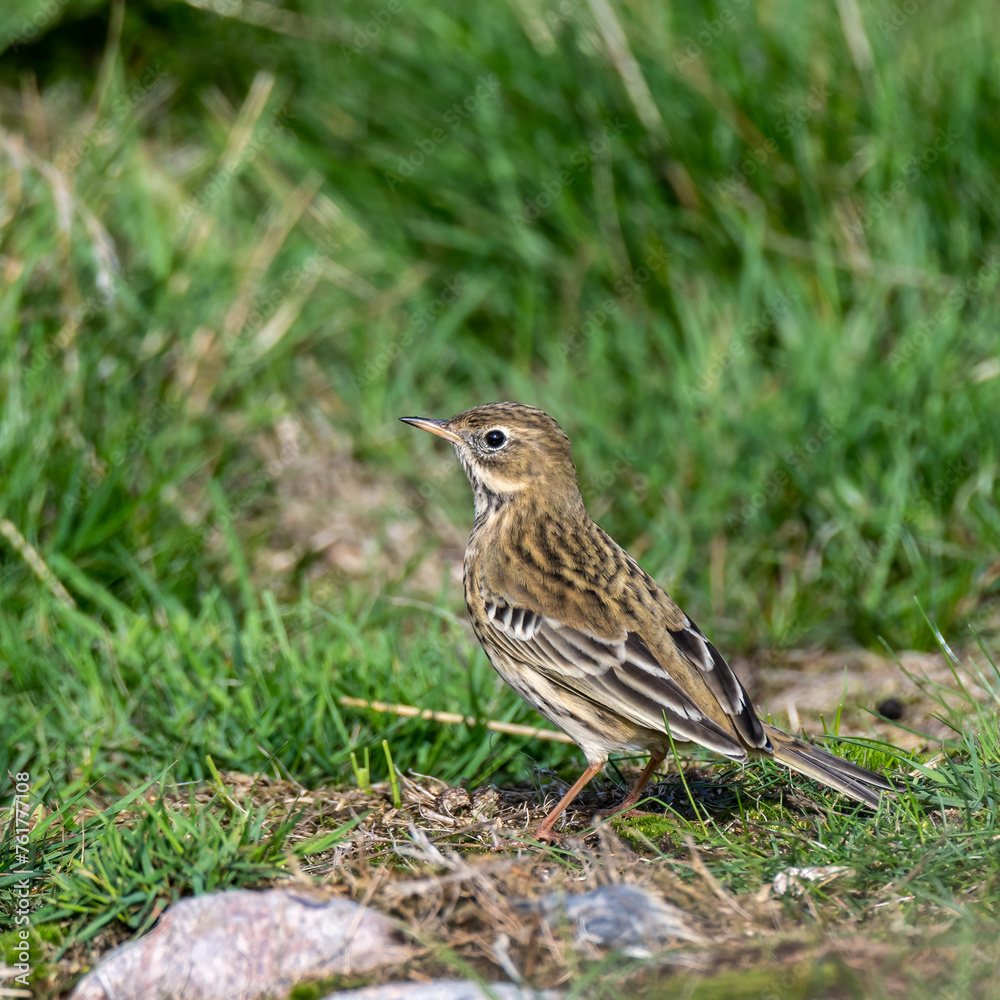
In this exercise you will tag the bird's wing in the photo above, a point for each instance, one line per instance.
(694, 646)
(620, 674)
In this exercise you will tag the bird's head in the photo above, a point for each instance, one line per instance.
(510, 452)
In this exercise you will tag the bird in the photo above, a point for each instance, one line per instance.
(583, 633)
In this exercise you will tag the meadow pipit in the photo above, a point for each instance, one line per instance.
(580, 631)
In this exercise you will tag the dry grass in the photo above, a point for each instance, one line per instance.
(453, 870)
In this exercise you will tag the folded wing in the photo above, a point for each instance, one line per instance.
(623, 675)
(722, 682)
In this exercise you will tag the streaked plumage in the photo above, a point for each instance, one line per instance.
(577, 628)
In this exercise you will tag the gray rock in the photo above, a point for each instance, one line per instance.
(443, 989)
(625, 918)
(244, 945)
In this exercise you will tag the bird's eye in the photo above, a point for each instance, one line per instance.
(495, 439)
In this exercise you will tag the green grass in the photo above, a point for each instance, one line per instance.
(147, 856)
(763, 306)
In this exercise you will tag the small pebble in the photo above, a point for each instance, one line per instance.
(484, 801)
(891, 708)
(453, 800)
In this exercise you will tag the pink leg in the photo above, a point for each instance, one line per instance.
(634, 795)
(544, 831)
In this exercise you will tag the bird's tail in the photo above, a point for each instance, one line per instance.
(857, 782)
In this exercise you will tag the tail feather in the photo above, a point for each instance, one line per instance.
(857, 782)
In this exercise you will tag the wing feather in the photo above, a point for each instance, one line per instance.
(620, 675)
(724, 684)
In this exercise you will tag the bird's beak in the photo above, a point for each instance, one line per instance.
(438, 427)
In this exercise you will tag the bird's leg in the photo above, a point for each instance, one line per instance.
(544, 831)
(630, 800)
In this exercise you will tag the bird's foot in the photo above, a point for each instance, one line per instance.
(528, 839)
(548, 836)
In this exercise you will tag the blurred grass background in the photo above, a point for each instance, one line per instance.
(747, 254)
(219, 218)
